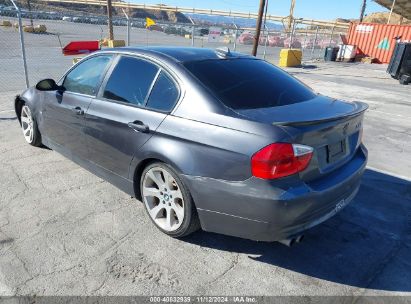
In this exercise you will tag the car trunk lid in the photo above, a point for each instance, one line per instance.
(316, 110)
(332, 127)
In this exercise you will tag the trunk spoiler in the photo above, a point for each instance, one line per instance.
(362, 107)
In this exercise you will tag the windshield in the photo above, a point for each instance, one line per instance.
(249, 83)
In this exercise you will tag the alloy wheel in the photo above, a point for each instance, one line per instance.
(163, 199)
(27, 124)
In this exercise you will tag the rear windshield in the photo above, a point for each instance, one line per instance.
(249, 83)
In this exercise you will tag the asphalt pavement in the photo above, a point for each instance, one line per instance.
(64, 231)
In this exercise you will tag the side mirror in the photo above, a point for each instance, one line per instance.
(47, 85)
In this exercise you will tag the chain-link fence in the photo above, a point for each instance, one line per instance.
(46, 32)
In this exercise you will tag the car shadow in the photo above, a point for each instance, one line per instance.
(309, 66)
(367, 245)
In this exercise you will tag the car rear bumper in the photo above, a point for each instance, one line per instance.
(266, 210)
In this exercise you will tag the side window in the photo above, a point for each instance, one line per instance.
(163, 95)
(130, 81)
(85, 78)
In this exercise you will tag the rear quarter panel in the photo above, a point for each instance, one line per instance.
(203, 149)
(32, 98)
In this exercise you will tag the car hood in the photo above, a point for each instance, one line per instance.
(318, 109)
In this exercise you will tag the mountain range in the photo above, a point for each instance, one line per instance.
(222, 20)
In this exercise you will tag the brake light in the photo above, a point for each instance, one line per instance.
(280, 159)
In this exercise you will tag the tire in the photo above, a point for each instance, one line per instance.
(167, 201)
(29, 127)
(404, 79)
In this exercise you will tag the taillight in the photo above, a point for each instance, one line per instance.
(280, 159)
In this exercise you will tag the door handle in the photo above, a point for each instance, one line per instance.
(139, 126)
(78, 111)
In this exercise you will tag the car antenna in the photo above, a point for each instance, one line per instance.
(223, 52)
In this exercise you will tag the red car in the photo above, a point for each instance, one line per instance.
(295, 44)
(246, 38)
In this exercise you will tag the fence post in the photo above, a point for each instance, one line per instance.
(314, 43)
(292, 34)
(235, 37)
(266, 41)
(192, 35)
(331, 37)
(303, 46)
(128, 27)
(192, 30)
(128, 31)
(23, 49)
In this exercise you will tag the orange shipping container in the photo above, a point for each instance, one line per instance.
(377, 40)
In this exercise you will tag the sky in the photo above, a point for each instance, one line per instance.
(312, 9)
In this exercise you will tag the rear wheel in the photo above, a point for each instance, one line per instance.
(167, 201)
(29, 127)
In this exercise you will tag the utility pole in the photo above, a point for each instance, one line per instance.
(110, 20)
(258, 27)
(291, 17)
(364, 5)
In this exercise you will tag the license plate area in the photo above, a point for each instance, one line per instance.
(335, 151)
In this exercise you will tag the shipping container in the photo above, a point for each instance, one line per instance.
(377, 40)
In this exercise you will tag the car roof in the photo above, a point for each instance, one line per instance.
(182, 54)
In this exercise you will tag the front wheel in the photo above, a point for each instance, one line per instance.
(29, 127)
(167, 201)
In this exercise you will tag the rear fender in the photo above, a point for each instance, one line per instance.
(28, 97)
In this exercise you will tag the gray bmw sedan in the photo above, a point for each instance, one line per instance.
(204, 138)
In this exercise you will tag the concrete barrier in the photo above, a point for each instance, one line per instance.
(5, 23)
(40, 28)
(290, 58)
(76, 59)
(103, 42)
(28, 29)
(116, 43)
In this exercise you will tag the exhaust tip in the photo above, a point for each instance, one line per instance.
(291, 241)
(287, 242)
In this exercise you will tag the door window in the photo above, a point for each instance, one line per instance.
(131, 81)
(164, 94)
(86, 77)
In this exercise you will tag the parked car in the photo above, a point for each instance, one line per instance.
(138, 24)
(294, 44)
(201, 31)
(276, 41)
(155, 27)
(120, 22)
(8, 12)
(204, 31)
(205, 138)
(246, 38)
